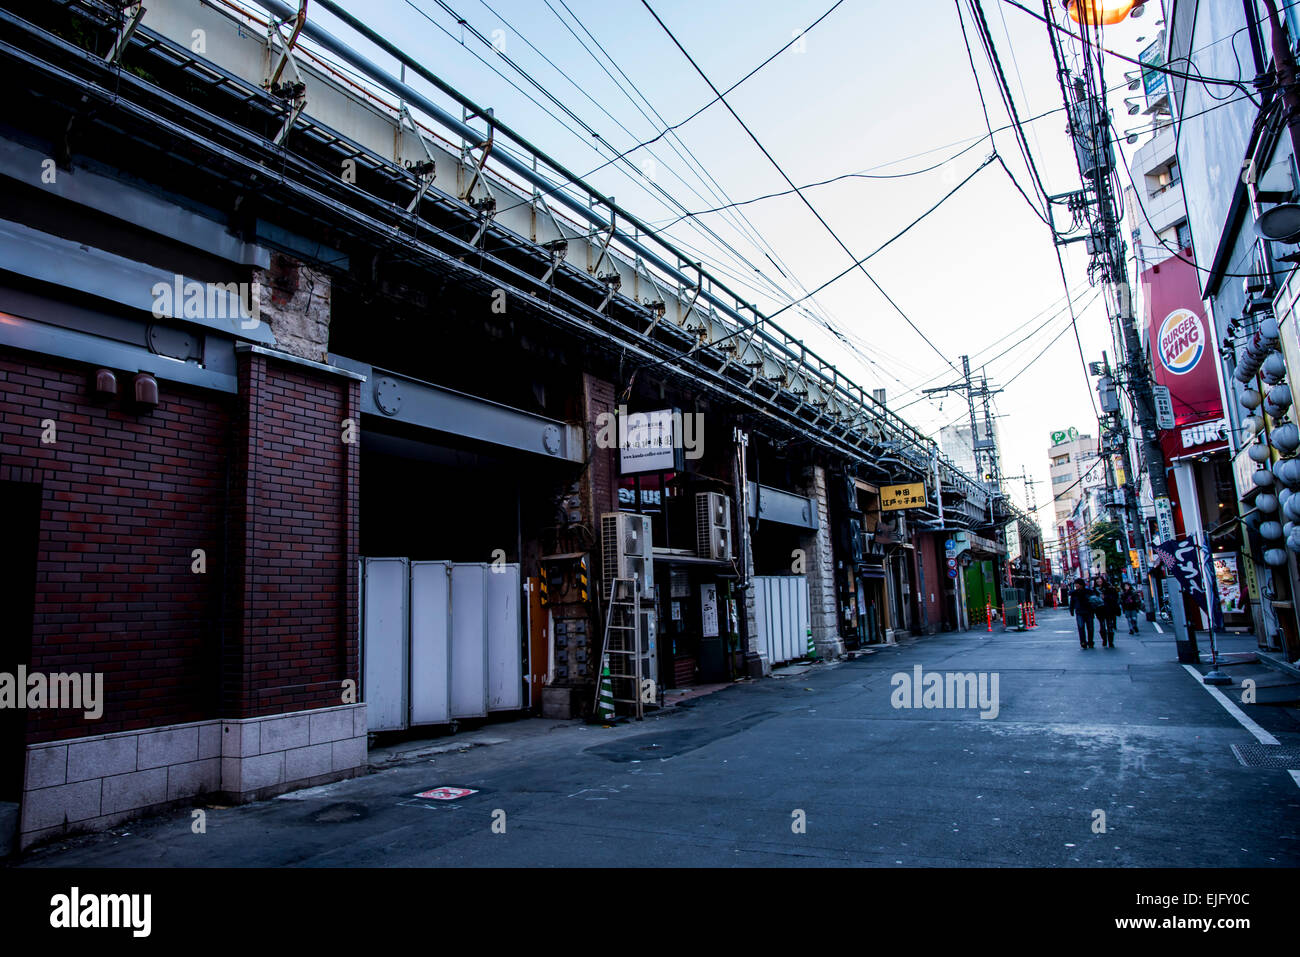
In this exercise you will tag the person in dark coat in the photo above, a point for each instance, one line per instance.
(1109, 613)
(1131, 602)
(1082, 610)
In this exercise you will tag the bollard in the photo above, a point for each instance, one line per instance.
(988, 613)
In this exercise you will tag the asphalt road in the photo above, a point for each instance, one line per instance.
(1126, 732)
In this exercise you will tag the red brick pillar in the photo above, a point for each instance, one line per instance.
(600, 492)
(290, 682)
(293, 587)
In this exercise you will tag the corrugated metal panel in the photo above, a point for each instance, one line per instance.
(781, 611)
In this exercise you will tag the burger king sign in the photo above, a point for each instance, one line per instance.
(1181, 341)
(1183, 354)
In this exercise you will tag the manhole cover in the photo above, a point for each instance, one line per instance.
(1267, 756)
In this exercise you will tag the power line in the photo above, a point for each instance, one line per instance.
(991, 51)
(667, 199)
(1025, 365)
(748, 326)
(1004, 90)
(857, 264)
(979, 89)
(753, 234)
(790, 182)
(724, 247)
(1128, 59)
(820, 317)
(675, 126)
(1039, 328)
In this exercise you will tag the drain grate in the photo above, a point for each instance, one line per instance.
(1267, 756)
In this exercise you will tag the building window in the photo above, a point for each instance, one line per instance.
(1184, 235)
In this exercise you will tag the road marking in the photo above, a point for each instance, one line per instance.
(1158, 628)
(1262, 736)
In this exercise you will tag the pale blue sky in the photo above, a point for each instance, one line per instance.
(876, 83)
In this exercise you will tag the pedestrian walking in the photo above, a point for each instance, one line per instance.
(1083, 610)
(1131, 602)
(1108, 613)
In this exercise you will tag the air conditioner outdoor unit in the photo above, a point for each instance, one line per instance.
(719, 545)
(626, 550)
(713, 526)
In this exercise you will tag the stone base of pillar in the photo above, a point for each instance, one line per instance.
(756, 666)
(829, 649)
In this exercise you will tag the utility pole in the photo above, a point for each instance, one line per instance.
(987, 471)
(1114, 439)
(984, 450)
(1091, 131)
(1286, 73)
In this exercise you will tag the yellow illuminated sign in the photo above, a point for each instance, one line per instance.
(896, 497)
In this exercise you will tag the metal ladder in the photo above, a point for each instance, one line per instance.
(621, 647)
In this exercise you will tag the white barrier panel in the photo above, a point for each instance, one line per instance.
(384, 601)
(430, 682)
(505, 654)
(439, 641)
(469, 649)
(781, 612)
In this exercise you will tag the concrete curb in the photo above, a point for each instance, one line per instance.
(1278, 664)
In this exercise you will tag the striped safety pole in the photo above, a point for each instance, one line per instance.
(606, 707)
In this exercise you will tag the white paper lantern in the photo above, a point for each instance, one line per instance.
(1250, 398)
(1258, 453)
(1286, 437)
(1287, 471)
(1274, 557)
(1266, 502)
(1291, 508)
(1268, 329)
(1273, 368)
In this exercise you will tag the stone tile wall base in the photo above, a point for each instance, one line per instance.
(89, 784)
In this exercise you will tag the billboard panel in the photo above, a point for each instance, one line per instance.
(1183, 358)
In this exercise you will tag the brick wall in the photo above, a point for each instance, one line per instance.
(935, 577)
(294, 506)
(600, 491)
(125, 498)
